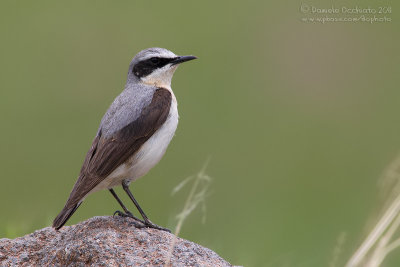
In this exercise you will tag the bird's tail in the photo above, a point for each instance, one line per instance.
(64, 215)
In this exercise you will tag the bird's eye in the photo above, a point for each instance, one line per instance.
(155, 60)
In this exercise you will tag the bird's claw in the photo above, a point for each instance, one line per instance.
(119, 213)
(129, 215)
(146, 223)
(149, 224)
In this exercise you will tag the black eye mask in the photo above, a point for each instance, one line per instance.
(145, 67)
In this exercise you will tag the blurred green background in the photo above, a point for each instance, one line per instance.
(299, 118)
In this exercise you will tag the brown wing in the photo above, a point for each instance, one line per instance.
(107, 153)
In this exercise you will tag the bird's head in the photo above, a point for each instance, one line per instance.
(156, 66)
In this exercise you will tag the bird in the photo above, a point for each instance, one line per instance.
(133, 135)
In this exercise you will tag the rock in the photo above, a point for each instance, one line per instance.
(104, 241)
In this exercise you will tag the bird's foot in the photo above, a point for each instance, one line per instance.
(149, 224)
(128, 214)
(120, 213)
(146, 223)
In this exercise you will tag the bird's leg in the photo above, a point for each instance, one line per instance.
(147, 222)
(127, 212)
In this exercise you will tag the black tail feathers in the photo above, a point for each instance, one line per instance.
(64, 215)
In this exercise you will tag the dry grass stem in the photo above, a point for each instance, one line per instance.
(197, 195)
(338, 249)
(378, 245)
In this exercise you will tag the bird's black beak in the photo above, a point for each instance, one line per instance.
(181, 59)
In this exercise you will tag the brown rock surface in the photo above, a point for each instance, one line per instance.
(103, 241)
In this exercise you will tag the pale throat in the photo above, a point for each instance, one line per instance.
(160, 78)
